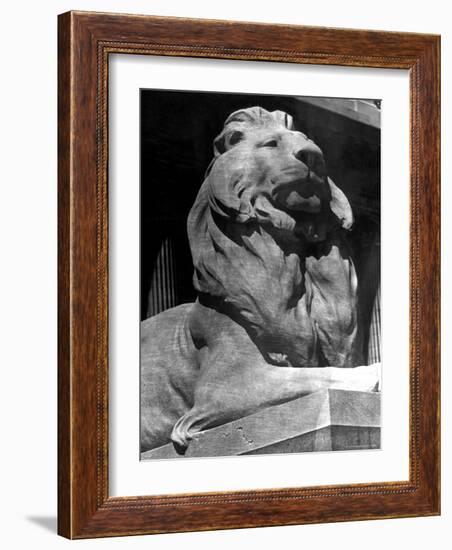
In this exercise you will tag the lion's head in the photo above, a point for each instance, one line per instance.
(264, 170)
(266, 199)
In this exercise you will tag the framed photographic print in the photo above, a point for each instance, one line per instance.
(248, 275)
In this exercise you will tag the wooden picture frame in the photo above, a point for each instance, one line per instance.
(85, 42)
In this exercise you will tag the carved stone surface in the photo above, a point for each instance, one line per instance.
(328, 420)
(276, 316)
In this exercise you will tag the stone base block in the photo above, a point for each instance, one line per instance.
(328, 420)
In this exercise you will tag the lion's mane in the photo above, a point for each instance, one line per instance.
(297, 300)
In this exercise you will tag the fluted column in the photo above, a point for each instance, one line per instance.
(374, 353)
(163, 291)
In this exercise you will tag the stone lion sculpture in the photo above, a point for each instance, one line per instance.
(276, 314)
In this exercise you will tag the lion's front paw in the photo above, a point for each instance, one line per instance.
(363, 378)
(372, 377)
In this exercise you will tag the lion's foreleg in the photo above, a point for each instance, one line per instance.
(233, 386)
(294, 382)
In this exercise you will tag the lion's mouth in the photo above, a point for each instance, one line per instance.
(303, 194)
(311, 226)
(299, 206)
(293, 200)
(305, 201)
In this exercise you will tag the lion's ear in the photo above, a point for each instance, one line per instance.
(283, 118)
(340, 206)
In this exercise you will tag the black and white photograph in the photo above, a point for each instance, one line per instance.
(260, 274)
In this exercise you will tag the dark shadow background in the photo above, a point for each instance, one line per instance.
(177, 132)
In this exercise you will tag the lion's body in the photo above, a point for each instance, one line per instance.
(277, 305)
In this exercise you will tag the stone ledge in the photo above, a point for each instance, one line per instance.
(322, 421)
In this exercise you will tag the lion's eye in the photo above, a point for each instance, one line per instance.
(234, 138)
(270, 143)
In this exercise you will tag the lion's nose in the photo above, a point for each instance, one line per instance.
(312, 157)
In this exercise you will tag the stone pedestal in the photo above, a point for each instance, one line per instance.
(328, 420)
